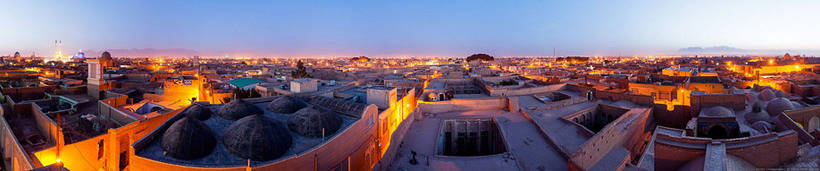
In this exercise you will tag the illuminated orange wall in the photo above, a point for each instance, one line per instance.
(83, 155)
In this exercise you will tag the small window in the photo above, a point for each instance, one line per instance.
(123, 160)
(100, 149)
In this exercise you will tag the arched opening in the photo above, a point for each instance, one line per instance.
(589, 95)
(441, 96)
(717, 132)
(814, 123)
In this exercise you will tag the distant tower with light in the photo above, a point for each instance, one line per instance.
(58, 53)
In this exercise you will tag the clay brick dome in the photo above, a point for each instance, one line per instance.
(198, 111)
(312, 120)
(763, 126)
(188, 139)
(286, 104)
(257, 137)
(778, 105)
(753, 117)
(717, 111)
(105, 55)
(767, 95)
(236, 109)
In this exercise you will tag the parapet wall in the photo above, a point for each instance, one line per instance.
(765, 151)
(627, 131)
(525, 91)
(455, 105)
(676, 118)
(11, 148)
(734, 101)
(107, 109)
(634, 98)
(27, 93)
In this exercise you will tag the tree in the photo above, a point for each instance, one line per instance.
(301, 71)
(241, 94)
(480, 56)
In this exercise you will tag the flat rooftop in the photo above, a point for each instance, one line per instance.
(548, 117)
(24, 126)
(526, 147)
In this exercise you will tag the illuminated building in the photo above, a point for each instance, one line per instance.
(58, 50)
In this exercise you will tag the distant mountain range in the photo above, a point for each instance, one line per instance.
(728, 50)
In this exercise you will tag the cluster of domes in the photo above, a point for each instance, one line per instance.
(188, 139)
(285, 104)
(251, 135)
(313, 121)
(257, 137)
(237, 109)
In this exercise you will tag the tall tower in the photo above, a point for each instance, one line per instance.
(96, 75)
(58, 53)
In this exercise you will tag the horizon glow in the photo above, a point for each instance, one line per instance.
(411, 28)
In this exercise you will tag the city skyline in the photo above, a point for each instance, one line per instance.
(418, 28)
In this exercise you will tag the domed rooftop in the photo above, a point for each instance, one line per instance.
(198, 111)
(796, 105)
(778, 105)
(106, 55)
(750, 98)
(717, 111)
(763, 126)
(780, 93)
(767, 94)
(79, 55)
(753, 117)
(311, 121)
(286, 104)
(16, 54)
(257, 137)
(188, 139)
(236, 109)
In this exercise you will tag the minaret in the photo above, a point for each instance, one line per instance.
(58, 54)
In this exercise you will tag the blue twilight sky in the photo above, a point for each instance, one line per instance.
(414, 27)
